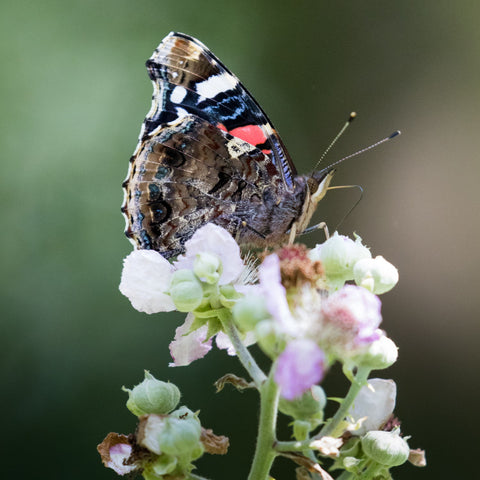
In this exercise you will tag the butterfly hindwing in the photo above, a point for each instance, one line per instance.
(190, 173)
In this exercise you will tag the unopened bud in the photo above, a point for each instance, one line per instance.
(338, 255)
(207, 267)
(386, 448)
(249, 311)
(174, 435)
(375, 274)
(152, 396)
(379, 355)
(186, 291)
(308, 406)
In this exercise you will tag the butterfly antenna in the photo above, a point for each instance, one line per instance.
(359, 152)
(351, 118)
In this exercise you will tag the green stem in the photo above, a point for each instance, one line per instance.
(330, 429)
(264, 451)
(345, 476)
(243, 354)
(294, 446)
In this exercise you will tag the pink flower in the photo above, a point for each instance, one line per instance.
(188, 346)
(275, 294)
(118, 454)
(299, 367)
(350, 318)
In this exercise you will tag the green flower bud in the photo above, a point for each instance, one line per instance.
(176, 435)
(307, 407)
(152, 396)
(338, 255)
(249, 311)
(380, 354)
(207, 267)
(375, 274)
(229, 296)
(268, 338)
(386, 448)
(186, 291)
(181, 434)
(183, 275)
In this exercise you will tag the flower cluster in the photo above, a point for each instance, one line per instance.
(306, 309)
(166, 441)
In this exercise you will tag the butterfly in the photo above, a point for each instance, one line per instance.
(207, 152)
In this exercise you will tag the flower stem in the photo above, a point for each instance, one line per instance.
(243, 354)
(264, 452)
(345, 476)
(294, 446)
(332, 426)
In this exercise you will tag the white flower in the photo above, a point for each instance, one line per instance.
(338, 255)
(376, 402)
(146, 277)
(375, 274)
(217, 241)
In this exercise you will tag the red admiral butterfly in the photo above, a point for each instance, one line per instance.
(208, 153)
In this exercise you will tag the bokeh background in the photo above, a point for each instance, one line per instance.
(74, 92)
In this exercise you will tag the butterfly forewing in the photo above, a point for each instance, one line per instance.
(189, 79)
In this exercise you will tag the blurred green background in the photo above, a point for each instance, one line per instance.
(74, 92)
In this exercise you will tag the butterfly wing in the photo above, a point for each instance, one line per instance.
(189, 79)
(189, 173)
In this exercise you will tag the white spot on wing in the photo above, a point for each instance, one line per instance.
(212, 86)
(178, 94)
(181, 112)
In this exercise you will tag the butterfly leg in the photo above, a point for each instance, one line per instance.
(318, 226)
(293, 234)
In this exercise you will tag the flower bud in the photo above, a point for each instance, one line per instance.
(152, 396)
(268, 338)
(182, 434)
(378, 355)
(386, 448)
(207, 267)
(375, 274)
(338, 255)
(186, 291)
(228, 296)
(176, 436)
(309, 405)
(249, 311)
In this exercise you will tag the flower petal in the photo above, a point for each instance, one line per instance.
(354, 313)
(146, 277)
(215, 240)
(224, 343)
(299, 367)
(375, 402)
(275, 294)
(189, 346)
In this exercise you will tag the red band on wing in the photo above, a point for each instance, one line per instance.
(253, 134)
